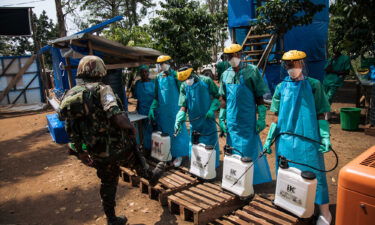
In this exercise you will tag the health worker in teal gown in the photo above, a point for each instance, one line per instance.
(165, 103)
(243, 113)
(299, 103)
(199, 98)
(144, 92)
(336, 69)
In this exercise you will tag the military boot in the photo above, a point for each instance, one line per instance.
(117, 220)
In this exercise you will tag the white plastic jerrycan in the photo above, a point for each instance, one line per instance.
(295, 190)
(202, 161)
(161, 146)
(238, 175)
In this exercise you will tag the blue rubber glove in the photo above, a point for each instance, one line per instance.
(325, 136)
(271, 135)
(261, 122)
(214, 106)
(222, 120)
(151, 113)
(180, 119)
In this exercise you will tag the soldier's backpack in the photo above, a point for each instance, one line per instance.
(78, 102)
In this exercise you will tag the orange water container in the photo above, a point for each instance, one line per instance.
(356, 191)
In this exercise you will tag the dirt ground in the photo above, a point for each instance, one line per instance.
(41, 184)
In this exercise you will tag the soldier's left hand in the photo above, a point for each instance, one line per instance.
(85, 158)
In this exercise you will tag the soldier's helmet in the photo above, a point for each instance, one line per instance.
(91, 67)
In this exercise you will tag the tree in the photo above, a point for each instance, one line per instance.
(185, 30)
(60, 18)
(352, 26)
(100, 10)
(135, 36)
(218, 8)
(283, 15)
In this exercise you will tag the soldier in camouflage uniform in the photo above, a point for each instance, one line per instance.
(95, 117)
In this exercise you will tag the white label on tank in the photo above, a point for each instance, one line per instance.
(232, 177)
(292, 193)
(198, 162)
(157, 148)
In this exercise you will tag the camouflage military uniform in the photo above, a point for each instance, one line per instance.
(106, 144)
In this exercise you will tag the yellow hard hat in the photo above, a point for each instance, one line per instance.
(233, 48)
(184, 73)
(293, 55)
(163, 58)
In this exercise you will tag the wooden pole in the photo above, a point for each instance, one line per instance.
(40, 60)
(69, 69)
(91, 51)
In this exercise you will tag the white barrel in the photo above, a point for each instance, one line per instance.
(161, 146)
(202, 161)
(295, 191)
(234, 168)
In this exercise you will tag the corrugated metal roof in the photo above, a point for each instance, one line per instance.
(112, 52)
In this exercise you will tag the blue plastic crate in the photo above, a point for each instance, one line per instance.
(57, 129)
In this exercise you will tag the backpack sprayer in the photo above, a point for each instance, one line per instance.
(203, 157)
(296, 189)
(238, 172)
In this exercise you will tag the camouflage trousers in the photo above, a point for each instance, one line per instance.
(108, 174)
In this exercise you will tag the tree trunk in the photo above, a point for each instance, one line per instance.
(60, 18)
(134, 13)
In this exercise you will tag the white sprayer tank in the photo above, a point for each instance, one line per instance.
(161, 146)
(202, 161)
(295, 191)
(235, 167)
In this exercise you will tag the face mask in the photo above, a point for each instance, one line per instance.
(295, 73)
(234, 61)
(165, 67)
(190, 81)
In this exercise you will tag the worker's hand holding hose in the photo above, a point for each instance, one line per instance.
(261, 121)
(325, 136)
(272, 133)
(151, 113)
(214, 106)
(180, 119)
(222, 121)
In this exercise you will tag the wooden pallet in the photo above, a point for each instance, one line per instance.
(370, 131)
(129, 176)
(203, 203)
(259, 211)
(171, 182)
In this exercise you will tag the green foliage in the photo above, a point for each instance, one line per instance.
(185, 30)
(100, 10)
(283, 15)
(218, 8)
(352, 26)
(135, 36)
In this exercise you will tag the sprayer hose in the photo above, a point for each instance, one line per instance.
(311, 140)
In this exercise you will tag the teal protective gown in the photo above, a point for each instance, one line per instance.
(241, 122)
(144, 93)
(167, 96)
(198, 102)
(297, 113)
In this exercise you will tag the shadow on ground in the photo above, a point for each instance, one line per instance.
(21, 157)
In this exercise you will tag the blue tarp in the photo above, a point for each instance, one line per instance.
(240, 12)
(312, 38)
(100, 25)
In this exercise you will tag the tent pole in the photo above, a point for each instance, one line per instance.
(69, 69)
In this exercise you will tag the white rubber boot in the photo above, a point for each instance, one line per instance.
(327, 116)
(177, 162)
(325, 217)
